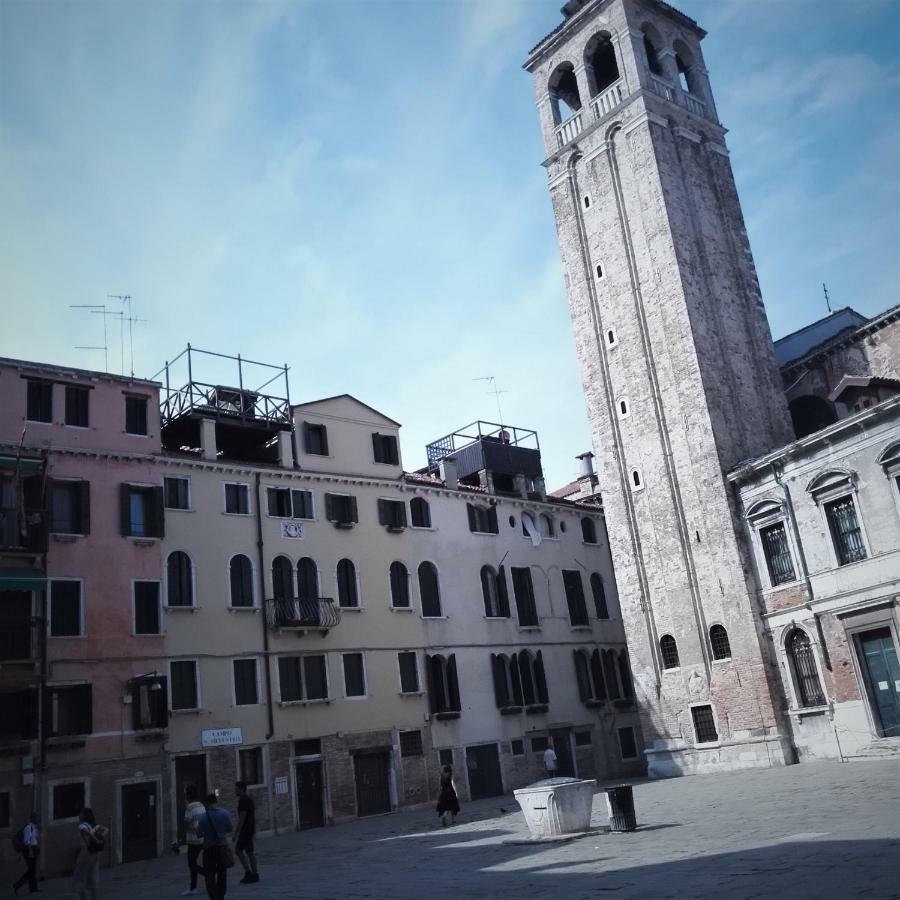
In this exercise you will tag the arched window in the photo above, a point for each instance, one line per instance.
(625, 676)
(524, 662)
(507, 683)
(810, 413)
(597, 678)
(429, 591)
(718, 641)
(282, 578)
(179, 580)
(599, 593)
(529, 526)
(493, 588)
(804, 671)
(564, 96)
(307, 579)
(588, 531)
(600, 61)
(420, 513)
(651, 42)
(609, 673)
(241, 576)
(669, 651)
(687, 72)
(589, 677)
(443, 686)
(399, 578)
(545, 525)
(346, 584)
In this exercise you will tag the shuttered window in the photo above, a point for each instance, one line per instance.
(302, 678)
(443, 685)
(39, 401)
(399, 578)
(588, 531)
(70, 507)
(65, 608)
(177, 493)
(141, 511)
(307, 579)
(354, 675)
(315, 439)
(574, 588)
(237, 499)
(240, 573)
(68, 710)
(183, 683)
(149, 703)
(523, 589)
(482, 519)
(179, 580)
(429, 591)
(384, 448)
(341, 509)
(246, 692)
(135, 414)
(348, 596)
(282, 578)
(420, 513)
(392, 514)
(599, 592)
(146, 607)
(409, 672)
(77, 399)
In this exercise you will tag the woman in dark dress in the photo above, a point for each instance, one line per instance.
(448, 802)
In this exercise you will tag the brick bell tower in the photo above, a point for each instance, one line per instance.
(677, 364)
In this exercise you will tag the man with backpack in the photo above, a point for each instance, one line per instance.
(27, 843)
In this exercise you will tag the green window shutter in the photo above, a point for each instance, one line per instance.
(329, 507)
(383, 518)
(354, 513)
(84, 506)
(125, 509)
(157, 513)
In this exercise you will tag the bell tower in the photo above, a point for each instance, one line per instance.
(677, 363)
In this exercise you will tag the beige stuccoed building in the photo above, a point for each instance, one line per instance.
(338, 628)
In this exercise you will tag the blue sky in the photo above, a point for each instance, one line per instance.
(354, 188)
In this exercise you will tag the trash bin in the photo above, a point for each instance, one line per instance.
(620, 804)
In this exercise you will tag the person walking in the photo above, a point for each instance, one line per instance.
(246, 830)
(30, 837)
(194, 809)
(86, 879)
(214, 826)
(550, 764)
(448, 801)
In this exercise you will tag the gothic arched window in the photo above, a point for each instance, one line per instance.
(564, 95)
(600, 61)
(669, 651)
(718, 641)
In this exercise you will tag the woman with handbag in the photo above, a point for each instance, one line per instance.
(214, 826)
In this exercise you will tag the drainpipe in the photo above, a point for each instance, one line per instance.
(262, 596)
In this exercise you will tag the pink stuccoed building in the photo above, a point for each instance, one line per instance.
(82, 698)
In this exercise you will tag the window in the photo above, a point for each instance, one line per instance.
(565, 99)
(539, 744)
(599, 270)
(141, 511)
(282, 578)
(179, 580)
(250, 766)
(384, 447)
(409, 672)
(669, 651)
(611, 337)
(493, 588)
(517, 747)
(588, 531)
(443, 687)
(589, 677)
(307, 579)
(240, 574)
(149, 707)
(625, 675)
(623, 408)
(445, 757)
(303, 678)
(429, 592)
(135, 414)
(399, 578)
(574, 587)
(39, 401)
(77, 406)
(69, 800)
(587, 202)
(546, 526)
(65, 608)
(68, 710)
(845, 530)
(420, 513)
(309, 747)
(704, 724)
(803, 668)
(246, 691)
(599, 592)
(147, 619)
(237, 499)
(523, 589)
(583, 739)
(411, 743)
(70, 507)
(177, 493)
(718, 641)
(392, 514)
(183, 682)
(315, 439)
(341, 509)
(602, 68)
(531, 676)
(354, 675)
(636, 480)
(627, 743)
(507, 682)
(529, 528)
(777, 553)
(348, 595)
(283, 503)
(482, 519)
(19, 714)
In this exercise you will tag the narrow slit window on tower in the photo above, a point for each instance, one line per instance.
(636, 481)
(599, 270)
(587, 202)
(611, 338)
(623, 408)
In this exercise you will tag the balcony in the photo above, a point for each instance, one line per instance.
(23, 518)
(677, 95)
(569, 130)
(662, 88)
(606, 101)
(294, 614)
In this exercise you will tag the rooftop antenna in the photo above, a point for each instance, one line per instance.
(127, 316)
(827, 299)
(495, 391)
(96, 308)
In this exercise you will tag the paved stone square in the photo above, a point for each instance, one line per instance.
(821, 830)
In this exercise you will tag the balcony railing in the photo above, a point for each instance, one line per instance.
(23, 529)
(662, 88)
(677, 95)
(693, 105)
(608, 100)
(569, 130)
(294, 614)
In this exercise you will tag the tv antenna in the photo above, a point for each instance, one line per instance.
(126, 315)
(99, 308)
(495, 391)
(827, 298)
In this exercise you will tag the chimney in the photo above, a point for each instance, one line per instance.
(208, 448)
(448, 472)
(586, 465)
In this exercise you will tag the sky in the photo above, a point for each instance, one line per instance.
(353, 188)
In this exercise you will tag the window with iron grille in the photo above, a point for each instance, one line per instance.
(65, 608)
(77, 405)
(177, 493)
(384, 447)
(704, 724)
(68, 800)
(806, 674)
(237, 499)
(718, 641)
(246, 692)
(250, 766)
(523, 589)
(70, 507)
(135, 415)
(669, 651)
(845, 530)
(778, 553)
(39, 401)
(574, 588)
(409, 672)
(411, 743)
